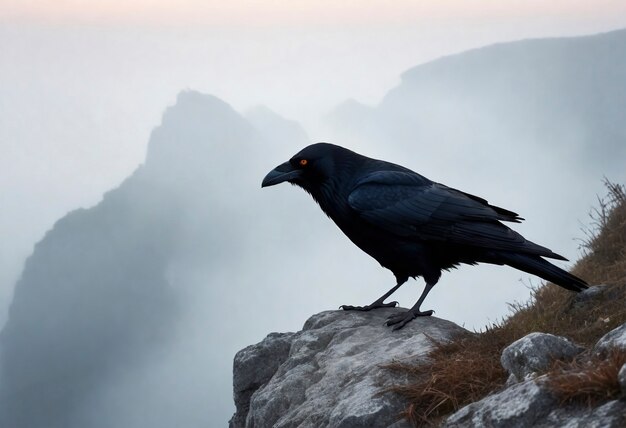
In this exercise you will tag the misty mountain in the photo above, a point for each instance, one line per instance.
(118, 318)
(129, 313)
(564, 95)
(92, 294)
(282, 133)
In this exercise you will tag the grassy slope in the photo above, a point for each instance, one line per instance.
(469, 368)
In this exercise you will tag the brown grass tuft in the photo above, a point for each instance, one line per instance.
(588, 381)
(469, 368)
(459, 373)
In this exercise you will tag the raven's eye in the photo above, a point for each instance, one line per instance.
(303, 162)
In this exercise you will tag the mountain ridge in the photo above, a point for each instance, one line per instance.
(107, 288)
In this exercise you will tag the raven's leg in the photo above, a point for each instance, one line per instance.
(399, 320)
(378, 303)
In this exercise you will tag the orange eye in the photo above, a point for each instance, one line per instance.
(303, 162)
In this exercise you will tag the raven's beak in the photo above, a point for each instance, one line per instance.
(283, 172)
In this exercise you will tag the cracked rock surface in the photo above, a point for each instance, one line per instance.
(331, 375)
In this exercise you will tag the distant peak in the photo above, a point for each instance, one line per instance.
(533, 47)
(190, 101)
(192, 104)
(276, 128)
(193, 128)
(261, 109)
(191, 96)
(262, 112)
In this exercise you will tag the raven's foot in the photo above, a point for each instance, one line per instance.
(400, 320)
(374, 305)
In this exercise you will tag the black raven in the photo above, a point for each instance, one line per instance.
(410, 224)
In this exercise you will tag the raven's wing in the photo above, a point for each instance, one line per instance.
(409, 205)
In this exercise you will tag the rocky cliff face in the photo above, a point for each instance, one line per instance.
(332, 374)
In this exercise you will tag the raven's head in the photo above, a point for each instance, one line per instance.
(311, 167)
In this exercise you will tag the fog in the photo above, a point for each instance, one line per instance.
(129, 310)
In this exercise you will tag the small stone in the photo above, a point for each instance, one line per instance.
(591, 293)
(614, 339)
(535, 353)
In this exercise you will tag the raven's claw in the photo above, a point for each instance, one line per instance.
(400, 320)
(369, 307)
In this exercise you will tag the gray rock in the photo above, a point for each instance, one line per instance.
(609, 415)
(333, 375)
(254, 366)
(522, 405)
(591, 293)
(535, 353)
(530, 403)
(615, 338)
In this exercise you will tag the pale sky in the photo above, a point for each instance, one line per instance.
(306, 12)
(84, 82)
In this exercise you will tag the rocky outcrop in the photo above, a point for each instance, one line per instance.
(531, 402)
(521, 405)
(254, 367)
(331, 373)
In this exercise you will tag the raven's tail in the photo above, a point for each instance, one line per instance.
(542, 268)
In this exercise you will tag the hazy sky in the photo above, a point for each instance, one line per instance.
(82, 83)
(310, 12)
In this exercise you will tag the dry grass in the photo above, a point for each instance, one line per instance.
(444, 385)
(468, 369)
(590, 380)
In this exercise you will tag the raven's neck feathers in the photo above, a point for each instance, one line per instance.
(331, 191)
